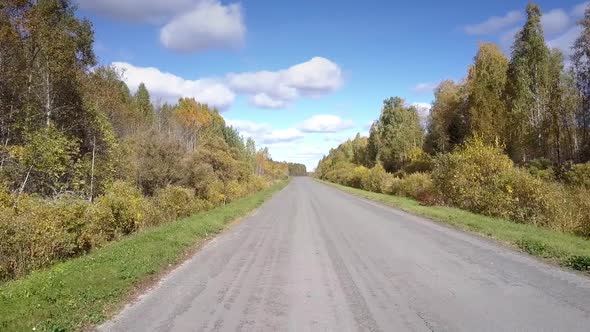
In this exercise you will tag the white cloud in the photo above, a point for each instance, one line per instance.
(494, 23)
(186, 25)
(424, 88)
(566, 40)
(325, 123)
(559, 26)
(263, 133)
(555, 21)
(282, 135)
(275, 89)
(267, 89)
(209, 25)
(171, 87)
(507, 38)
(314, 77)
(263, 100)
(580, 9)
(249, 128)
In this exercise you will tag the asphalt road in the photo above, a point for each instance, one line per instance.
(316, 259)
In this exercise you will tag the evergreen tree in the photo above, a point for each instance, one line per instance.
(143, 102)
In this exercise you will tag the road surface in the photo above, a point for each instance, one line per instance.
(316, 259)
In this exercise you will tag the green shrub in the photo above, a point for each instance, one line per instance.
(416, 185)
(464, 175)
(174, 202)
(41, 232)
(532, 246)
(580, 198)
(531, 200)
(579, 175)
(419, 162)
(374, 179)
(541, 168)
(120, 211)
(358, 177)
(340, 173)
(580, 263)
(388, 183)
(6, 200)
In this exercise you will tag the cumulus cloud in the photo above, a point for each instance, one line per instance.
(275, 89)
(325, 123)
(580, 9)
(266, 89)
(494, 23)
(262, 100)
(507, 38)
(185, 25)
(424, 88)
(208, 25)
(566, 40)
(555, 21)
(170, 87)
(264, 133)
(559, 26)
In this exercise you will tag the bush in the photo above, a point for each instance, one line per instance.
(41, 232)
(340, 173)
(417, 186)
(464, 175)
(120, 211)
(541, 168)
(528, 199)
(388, 183)
(6, 199)
(581, 210)
(174, 202)
(358, 177)
(375, 179)
(419, 162)
(234, 190)
(579, 175)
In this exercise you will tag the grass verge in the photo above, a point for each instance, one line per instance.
(564, 249)
(84, 291)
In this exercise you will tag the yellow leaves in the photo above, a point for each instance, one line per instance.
(193, 116)
(16, 152)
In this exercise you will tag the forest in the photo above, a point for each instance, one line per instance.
(84, 160)
(510, 140)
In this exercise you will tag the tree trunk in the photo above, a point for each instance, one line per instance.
(91, 198)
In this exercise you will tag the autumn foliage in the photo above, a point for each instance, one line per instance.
(510, 140)
(85, 161)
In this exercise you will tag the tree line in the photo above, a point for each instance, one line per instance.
(511, 139)
(83, 160)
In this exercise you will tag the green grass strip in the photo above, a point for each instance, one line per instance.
(564, 249)
(87, 290)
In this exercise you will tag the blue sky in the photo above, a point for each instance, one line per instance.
(303, 76)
